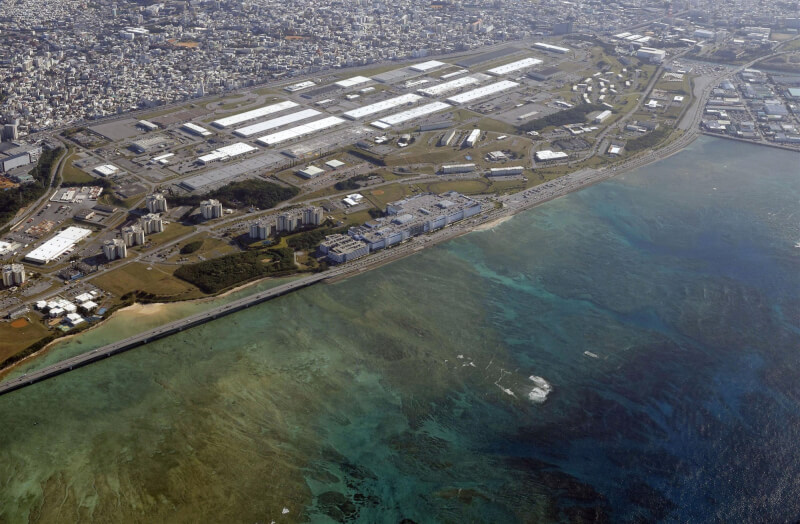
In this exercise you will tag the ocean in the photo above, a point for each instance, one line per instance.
(627, 353)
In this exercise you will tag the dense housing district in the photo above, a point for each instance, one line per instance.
(376, 129)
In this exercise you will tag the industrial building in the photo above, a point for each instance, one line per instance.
(58, 245)
(294, 88)
(20, 156)
(414, 216)
(430, 65)
(652, 55)
(147, 125)
(551, 48)
(231, 121)
(114, 249)
(13, 275)
(195, 129)
(276, 123)
(602, 116)
(505, 171)
(410, 114)
(457, 168)
(300, 131)
(472, 138)
(342, 248)
(447, 138)
(482, 92)
(152, 223)
(353, 81)
(105, 170)
(145, 145)
(156, 203)
(525, 63)
(210, 209)
(452, 85)
(133, 235)
(547, 155)
(384, 105)
(310, 172)
(544, 74)
(227, 152)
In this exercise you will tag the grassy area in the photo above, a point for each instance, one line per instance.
(490, 124)
(355, 219)
(211, 248)
(468, 187)
(781, 37)
(158, 281)
(682, 87)
(15, 339)
(380, 196)
(265, 91)
(171, 231)
(110, 200)
(163, 112)
(791, 46)
(70, 173)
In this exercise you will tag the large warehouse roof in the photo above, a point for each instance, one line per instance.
(303, 130)
(550, 47)
(427, 66)
(411, 114)
(252, 115)
(224, 153)
(446, 87)
(58, 245)
(223, 173)
(275, 122)
(353, 81)
(525, 63)
(481, 92)
(195, 129)
(384, 105)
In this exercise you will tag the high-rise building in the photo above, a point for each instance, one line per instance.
(114, 249)
(210, 209)
(13, 275)
(152, 223)
(133, 235)
(261, 230)
(287, 222)
(11, 131)
(312, 216)
(156, 203)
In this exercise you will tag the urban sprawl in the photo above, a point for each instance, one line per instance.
(175, 150)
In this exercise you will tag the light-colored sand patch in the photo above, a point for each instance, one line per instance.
(493, 223)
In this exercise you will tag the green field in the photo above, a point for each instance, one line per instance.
(13, 340)
(211, 248)
(171, 231)
(157, 281)
(70, 173)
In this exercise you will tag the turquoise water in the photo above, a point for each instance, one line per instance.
(403, 393)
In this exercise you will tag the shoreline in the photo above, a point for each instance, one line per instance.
(138, 309)
(491, 219)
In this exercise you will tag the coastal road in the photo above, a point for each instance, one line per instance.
(512, 204)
